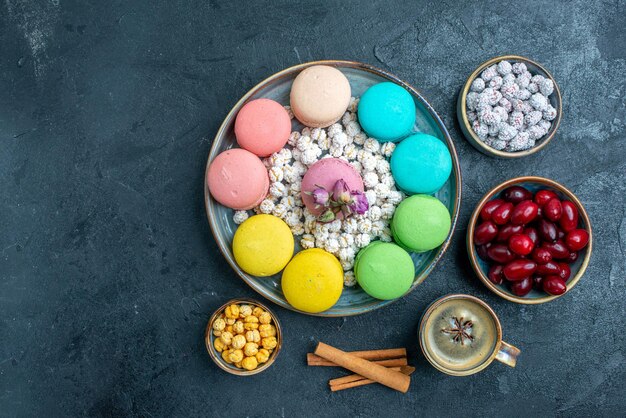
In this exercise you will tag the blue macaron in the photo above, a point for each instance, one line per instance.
(421, 164)
(387, 112)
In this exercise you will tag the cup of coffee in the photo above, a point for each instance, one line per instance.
(461, 335)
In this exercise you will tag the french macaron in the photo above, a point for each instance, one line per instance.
(238, 179)
(263, 245)
(325, 173)
(384, 270)
(386, 112)
(421, 163)
(312, 281)
(319, 96)
(420, 223)
(262, 127)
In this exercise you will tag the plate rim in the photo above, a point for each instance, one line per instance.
(456, 169)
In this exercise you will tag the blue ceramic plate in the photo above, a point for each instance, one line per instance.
(534, 184)
(353, 301)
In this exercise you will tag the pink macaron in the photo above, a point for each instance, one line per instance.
(238, 179)
(325, 173)
(262, 127)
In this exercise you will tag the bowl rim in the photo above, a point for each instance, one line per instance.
(217, 359)
(422, 339)
(473, 256)
(456, 168)
(468, 127)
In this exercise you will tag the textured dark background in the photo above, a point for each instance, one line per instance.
(108, 270)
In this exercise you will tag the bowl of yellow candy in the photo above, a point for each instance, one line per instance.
(243, 337)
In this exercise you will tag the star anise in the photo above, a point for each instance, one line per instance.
(461, 330)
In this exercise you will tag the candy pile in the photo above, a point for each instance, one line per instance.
(509, 108)
(345, 141)
(246, 336)
(530, 240)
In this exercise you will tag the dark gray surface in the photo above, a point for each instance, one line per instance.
(108, 270)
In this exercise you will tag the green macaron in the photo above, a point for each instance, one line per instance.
(420, 223)
(384, 270)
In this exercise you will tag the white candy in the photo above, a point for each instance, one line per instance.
(472, 100)
(350, 225)
(533, 118)
(395, 197)
(349, 279)
(382, 166)
(546, 87)
(311, 155)
(293, 138)
(365, 226)
(489, 73)
(347, 118)
(278, 189)
(353, 128)
(318, 134)
(297, 229)
(332, 246)
(518, 68)
(290, 174)
(307, 241)
(346, 240)
(507, 132)
(360, 138)
(334, 226)
(387, 210)
(279, 210)
(477, 85)
(370, 179)
(350, 151)
(539, 101)
(371, 145)
(369, 163)
(374, 213)
(276, 174)
(504, 67)
(304, 143)
(267, 206)
(295, 187)
(549, 113)
(362, 240)
(240, 216)
(353, 105)
(334, 129)
(288, 202)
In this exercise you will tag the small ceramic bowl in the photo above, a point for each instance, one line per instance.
(481, 267)
(209, 338)
(466, 126)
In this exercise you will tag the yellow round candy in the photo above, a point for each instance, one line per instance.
(313, 280)
(263, 245)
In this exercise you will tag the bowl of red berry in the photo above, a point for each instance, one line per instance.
(529, 240)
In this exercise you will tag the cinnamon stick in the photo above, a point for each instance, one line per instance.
(368, 354)
(407, 370)
(354, 377)
(394, 362)
(365, 368)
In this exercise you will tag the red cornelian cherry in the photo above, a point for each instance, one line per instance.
(532, 234)
(576, 239)
(481, 250)
(569, 218)
(547, 230)
(485, 232)
(565, 272)
(521, 244)
(500, 253)
(519, 269)
(548, 268)
(538, 282)
(557, 249)
(516, 194)
(507, 230)
(554, 285)
(495, 274)
(572, 257)
(553, 210)
(524, 213)
(522, 287)
(488, 208)
(543, 196)
(541, 255)
(502, 214)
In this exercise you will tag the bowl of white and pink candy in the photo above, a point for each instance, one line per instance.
(509, 107)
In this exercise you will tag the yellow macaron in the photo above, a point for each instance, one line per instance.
(263, 245)
(313, 280)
